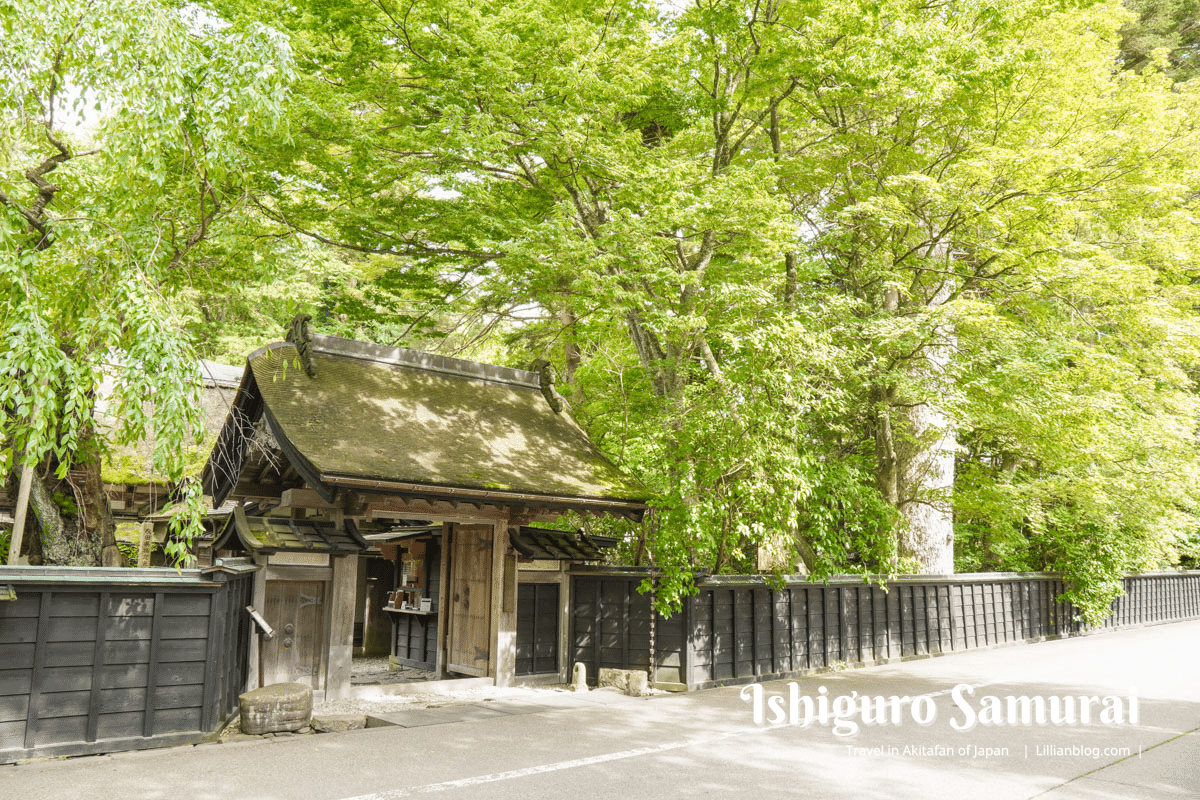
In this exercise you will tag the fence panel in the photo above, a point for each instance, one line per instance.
(737, 629)
(98, 660)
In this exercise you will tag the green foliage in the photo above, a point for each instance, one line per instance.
(124, 128)
(1162, 31)
(761, 242)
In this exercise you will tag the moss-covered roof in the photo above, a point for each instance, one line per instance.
(394, 415)
(134, 463)
(272, 535)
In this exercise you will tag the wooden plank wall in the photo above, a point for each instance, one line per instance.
(537, 628)
(415, 642)
(742, 631)
(754, 632)
(85, 667)
(233, 638)
(610, 624)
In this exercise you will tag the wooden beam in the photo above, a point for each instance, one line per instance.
(258, 491)
(305, 498)
(503, 661)
(498, 497)
(380, 507)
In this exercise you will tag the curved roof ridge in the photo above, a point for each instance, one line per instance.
(428, 362)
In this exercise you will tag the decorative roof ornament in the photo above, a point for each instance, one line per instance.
(546, 380)
(300, 333)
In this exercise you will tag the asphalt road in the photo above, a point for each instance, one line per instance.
(707, 743)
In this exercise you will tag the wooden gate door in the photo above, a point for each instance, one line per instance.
(296, 610)
(470, 599)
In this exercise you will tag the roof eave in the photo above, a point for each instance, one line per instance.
(615, 506)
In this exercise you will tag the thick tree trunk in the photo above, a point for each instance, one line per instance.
(925, 472)
(63, 543)
(572, 357)
(75, 527)
(915, 442)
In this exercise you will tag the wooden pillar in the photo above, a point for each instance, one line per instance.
(443, 617)
(565, 600)
(502, 664)
(258, 599)
(342, 592)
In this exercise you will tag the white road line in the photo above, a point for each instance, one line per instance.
(561, 765)
(392, 794)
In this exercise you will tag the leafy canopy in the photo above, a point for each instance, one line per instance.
(124, 127)
(754, 237)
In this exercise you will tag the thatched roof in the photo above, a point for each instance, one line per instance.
(389, 420)
(133, 486)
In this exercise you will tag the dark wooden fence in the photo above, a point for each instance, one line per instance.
(614, 625)
(740, 630)
(101, 660)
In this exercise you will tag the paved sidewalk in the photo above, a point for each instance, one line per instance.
(445, 711)
(706, 744)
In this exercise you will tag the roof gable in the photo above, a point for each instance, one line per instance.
(375, 413)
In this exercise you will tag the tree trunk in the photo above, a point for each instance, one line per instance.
(914, 444)
(96, 516)
(75, 524)
(63, 543)
(925, 481)
(571, 354)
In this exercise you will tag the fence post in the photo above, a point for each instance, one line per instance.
(102, 619)
(216, 661)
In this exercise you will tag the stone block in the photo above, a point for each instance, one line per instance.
(276, 708)
(632, 682)
(331, 723)
(669, 686)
